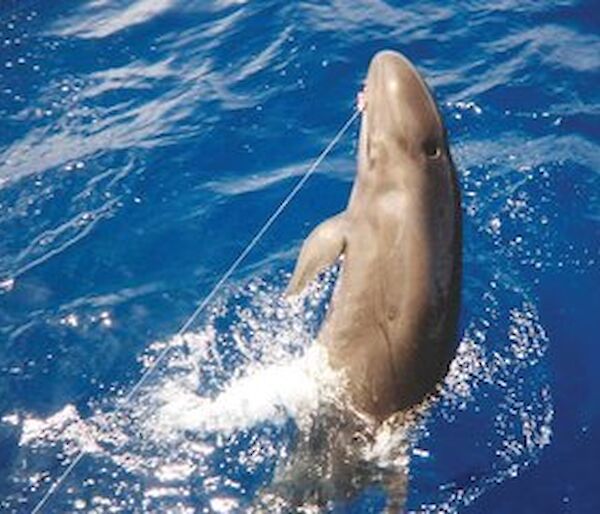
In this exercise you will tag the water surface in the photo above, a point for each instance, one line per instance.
(142, 145)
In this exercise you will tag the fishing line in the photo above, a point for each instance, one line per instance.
(207, 299)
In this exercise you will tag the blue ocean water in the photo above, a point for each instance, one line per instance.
(142, 145)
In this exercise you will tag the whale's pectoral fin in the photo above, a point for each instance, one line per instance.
(322, 247)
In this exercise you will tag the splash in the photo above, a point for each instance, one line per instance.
(271, 393)
(225, 410)
(221, 396)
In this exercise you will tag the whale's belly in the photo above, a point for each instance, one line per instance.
(385, 326)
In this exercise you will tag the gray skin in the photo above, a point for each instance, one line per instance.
(392, 323)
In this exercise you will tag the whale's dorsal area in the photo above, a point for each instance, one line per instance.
(391, 327)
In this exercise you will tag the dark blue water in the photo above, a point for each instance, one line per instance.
(142, 145)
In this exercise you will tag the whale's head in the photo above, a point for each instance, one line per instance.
(401, 131)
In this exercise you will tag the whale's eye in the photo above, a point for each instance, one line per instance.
(432, 149)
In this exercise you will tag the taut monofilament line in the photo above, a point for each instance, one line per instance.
(207, 299)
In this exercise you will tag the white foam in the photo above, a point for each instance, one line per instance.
(271, 393)
(218, 386)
